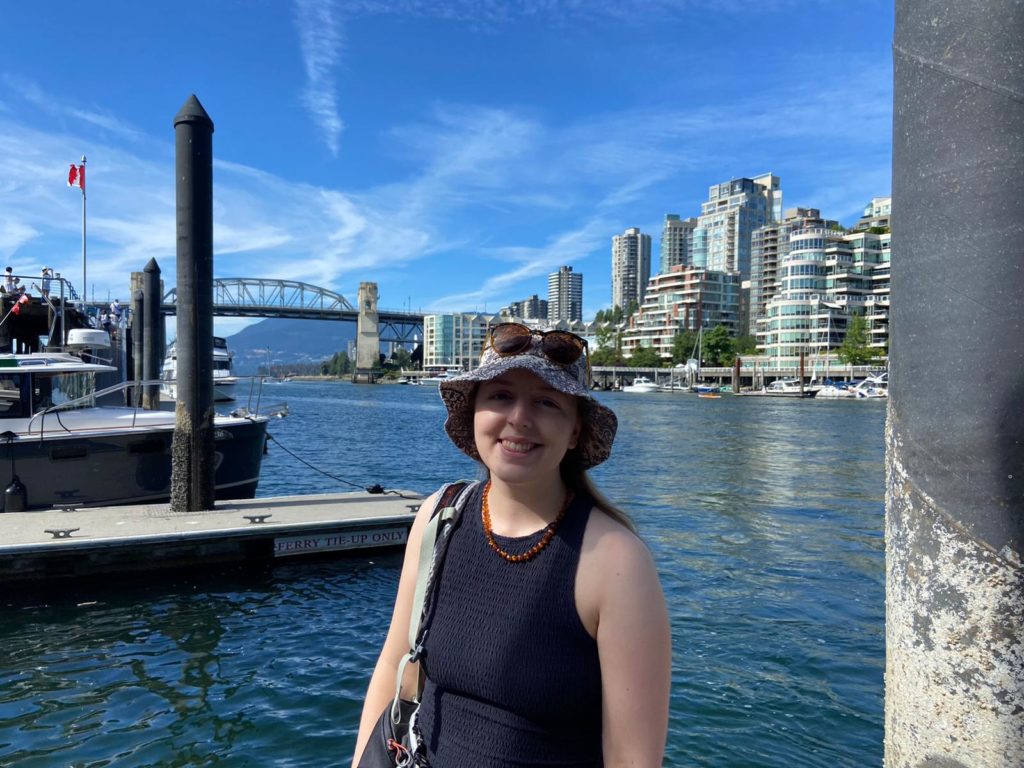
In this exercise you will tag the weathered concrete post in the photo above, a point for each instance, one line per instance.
(153, 351)
(954, 692)
(192, 470)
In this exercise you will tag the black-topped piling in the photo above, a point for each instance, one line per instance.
(192, 454)
(954, 680)
(153, 346)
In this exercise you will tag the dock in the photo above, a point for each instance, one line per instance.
(58, 544)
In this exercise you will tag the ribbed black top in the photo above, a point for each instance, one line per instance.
(513, 678)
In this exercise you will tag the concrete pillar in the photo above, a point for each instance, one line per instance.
(367, 329)
(954, 692)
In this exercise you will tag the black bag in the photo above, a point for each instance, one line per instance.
(391, 743)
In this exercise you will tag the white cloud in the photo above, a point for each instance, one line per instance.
(320, 43)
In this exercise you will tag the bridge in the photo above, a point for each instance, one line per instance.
(257, 297)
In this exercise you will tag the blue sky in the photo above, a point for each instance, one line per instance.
(453, 152)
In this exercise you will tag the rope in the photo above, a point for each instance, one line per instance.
(376, 488)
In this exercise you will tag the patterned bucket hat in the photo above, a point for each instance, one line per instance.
(598, 421)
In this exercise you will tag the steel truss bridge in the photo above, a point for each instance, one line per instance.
(256, 297)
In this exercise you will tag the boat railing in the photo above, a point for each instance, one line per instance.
(131, 393)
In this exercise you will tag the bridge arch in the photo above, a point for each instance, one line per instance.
(260, 297)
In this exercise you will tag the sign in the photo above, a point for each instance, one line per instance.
(363, 538)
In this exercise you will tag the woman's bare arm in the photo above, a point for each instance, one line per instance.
(381, 690)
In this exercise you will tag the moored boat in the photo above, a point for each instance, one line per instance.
(224, 380)
(640, 384)
(60, 447)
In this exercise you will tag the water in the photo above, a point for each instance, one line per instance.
(765, 518)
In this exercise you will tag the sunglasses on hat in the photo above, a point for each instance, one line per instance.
(559, 347)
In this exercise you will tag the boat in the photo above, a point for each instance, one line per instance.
(872, 387)
(706, 389)
(224, 381)
(787, 388)
(836, 390)
(640, 384)
(60, 448)
(709, 395)
(446, 375)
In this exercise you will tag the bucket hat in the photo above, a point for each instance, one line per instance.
(598, 421)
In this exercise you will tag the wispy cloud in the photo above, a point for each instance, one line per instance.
(320, 43)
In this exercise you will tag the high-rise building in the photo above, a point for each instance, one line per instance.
(734, 209)
(631, 267)
(565, 295)
(455, 340)
(825, 278)
(676, 242)
(876, 214)
(533, 308)
(768, 246)
(684, 298)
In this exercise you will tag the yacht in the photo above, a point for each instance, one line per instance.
(224, 381)
(437, 378)
(836, 390)
(789, 388)
(873, 386)
(60, 447)
(640, 384)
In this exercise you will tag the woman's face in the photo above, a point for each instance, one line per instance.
(523, 427)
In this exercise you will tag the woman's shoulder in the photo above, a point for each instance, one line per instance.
(610, 543)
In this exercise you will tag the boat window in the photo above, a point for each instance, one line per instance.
(11, 405)
(62, 388)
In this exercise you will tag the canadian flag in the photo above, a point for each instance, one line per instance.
(76, 176)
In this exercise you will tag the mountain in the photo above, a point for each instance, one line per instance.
(276, 340)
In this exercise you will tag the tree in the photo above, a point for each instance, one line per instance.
(745, 344)
(402, 358)
(683, 344)
(854, 349)
(645, 357)
(718, 346)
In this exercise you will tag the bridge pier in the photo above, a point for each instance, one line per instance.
(367, 334)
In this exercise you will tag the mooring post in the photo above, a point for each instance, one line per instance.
(192, 455)
(153, 350)
(954, 681)
(138, 339)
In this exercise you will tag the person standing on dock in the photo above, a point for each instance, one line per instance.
(548, 640)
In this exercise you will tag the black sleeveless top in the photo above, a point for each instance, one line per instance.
(512, 677)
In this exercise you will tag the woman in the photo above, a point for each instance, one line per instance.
(549, 643)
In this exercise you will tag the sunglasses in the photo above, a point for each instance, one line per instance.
(560, 347)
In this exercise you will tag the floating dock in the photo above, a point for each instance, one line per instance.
(47, 545)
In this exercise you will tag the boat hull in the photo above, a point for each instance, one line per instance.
(132, 466)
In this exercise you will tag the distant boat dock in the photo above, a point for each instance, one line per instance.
(47, 545)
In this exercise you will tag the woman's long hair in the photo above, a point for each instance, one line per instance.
(577, 480)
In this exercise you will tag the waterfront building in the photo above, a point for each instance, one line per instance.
(684, 298)
(768, 246)
(734, 209)
(876, 214)
(676, 242)
(826, 276)
(455, 340)
(565, 295)
(533, 308)
(631, 267)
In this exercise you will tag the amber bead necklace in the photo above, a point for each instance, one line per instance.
(532, 552)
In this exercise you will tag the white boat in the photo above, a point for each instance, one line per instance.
(836, 391)
(640, 384)
(788, 388)
(445, 375)
(59, 447)
(224, 381)
(872, 386)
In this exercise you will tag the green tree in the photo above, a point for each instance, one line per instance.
(745, 344)
(718, 346)
(854, 349)
(402, 358)
(645, 357)
(683, 344)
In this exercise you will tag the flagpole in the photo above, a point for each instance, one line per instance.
(85, 284)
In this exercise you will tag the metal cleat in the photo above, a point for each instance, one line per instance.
(254, 519)
(61, 533)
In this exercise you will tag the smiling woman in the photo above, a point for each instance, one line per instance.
(548, 638)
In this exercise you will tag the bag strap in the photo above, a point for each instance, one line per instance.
(450, 502)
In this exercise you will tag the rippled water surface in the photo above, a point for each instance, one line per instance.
(765, 518)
